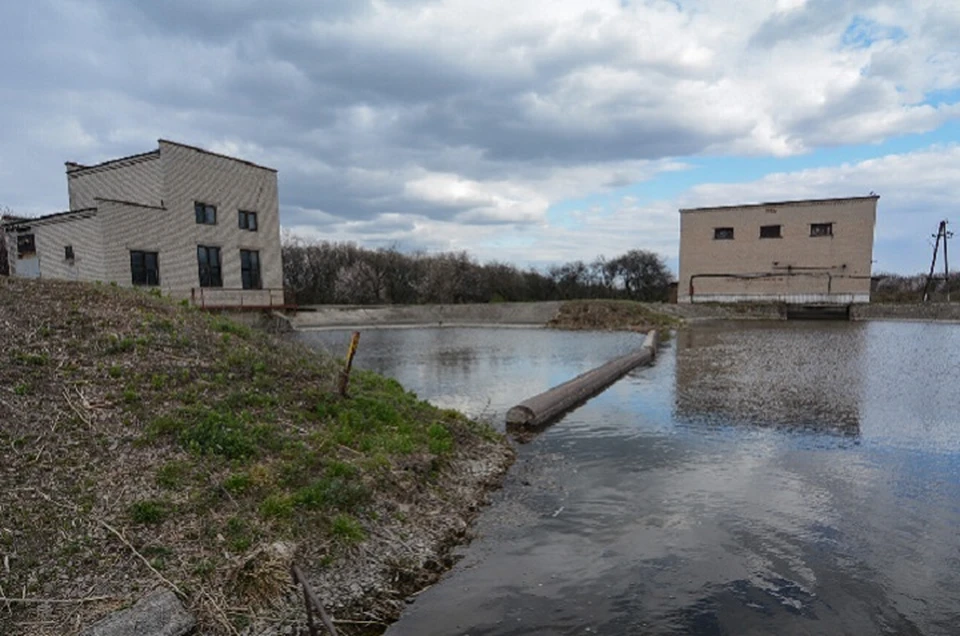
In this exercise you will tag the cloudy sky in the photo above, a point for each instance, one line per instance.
(531, 131)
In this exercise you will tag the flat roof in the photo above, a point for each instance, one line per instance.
(771, 204)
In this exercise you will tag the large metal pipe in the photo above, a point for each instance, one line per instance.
(546, 407)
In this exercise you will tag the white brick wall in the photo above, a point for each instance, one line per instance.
(129, 227)
(84, 234)
(191, 175)
(127, 195)
(137, 179)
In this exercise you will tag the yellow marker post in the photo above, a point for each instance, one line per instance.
(345, 374)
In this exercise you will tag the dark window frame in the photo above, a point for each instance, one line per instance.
(767, 231)
(205, 213)
(141, 272)
(819, 230)
(250, 269)
(247, 220)
(210, 273)
(26, 245)
(723, 233)
(68, 253)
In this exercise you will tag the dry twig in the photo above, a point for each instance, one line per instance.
(116, 532)
(40, 601)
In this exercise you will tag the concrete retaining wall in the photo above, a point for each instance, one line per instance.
(890, 311)
(340, 317)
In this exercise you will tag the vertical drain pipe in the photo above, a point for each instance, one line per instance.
(546, 407)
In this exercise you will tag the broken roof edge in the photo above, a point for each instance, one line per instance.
(73, 167)
(13, 222)
(216, 154)
(794, 202)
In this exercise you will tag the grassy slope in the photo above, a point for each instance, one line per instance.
(612, 315)
(218, 453)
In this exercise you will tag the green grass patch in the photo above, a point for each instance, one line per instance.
(277, 506)
(239, 534)
(149, 511)
(26, 358)
(173, 475)
(217, 431)
(346, 529)
(340, 487)
(238, 483)
(115, 344)
(227, 326)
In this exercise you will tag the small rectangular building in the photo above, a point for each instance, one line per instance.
(189, 222)
(816, 251)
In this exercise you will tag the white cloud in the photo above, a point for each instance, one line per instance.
(471, 119)
(917, 190)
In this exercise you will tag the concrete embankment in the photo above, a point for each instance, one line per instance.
(371, 317)
(546, 407)
(939, 312)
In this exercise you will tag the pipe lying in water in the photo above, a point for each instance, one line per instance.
(546, 407)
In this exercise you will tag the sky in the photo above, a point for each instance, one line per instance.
(524, 131)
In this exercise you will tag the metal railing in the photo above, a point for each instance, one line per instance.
(239, 298)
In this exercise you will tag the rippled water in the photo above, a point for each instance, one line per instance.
(788, 478)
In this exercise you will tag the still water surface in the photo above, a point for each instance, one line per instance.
(799, 478)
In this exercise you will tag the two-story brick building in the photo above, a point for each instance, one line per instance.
(192, 223)
(807, 252)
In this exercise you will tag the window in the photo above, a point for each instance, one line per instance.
(250, 269)
(723, 233)
(26, 245)
(248, 221)
(770, 231)
(68, 252)
(821, 229)
(208, 258)
(206, 213)
(145, 268)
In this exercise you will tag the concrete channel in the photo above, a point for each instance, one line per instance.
(540, 410)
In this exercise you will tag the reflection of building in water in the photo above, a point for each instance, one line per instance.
(801, 376)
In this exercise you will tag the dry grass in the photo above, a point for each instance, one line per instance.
(143, 443)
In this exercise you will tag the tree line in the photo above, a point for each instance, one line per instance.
(345, 273)
(900, 288)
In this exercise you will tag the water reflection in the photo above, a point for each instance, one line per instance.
(453, 367)
(753, 375)
(714, 493)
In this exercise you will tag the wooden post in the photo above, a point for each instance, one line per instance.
(345, 374)
(312, 601)
(933, 264)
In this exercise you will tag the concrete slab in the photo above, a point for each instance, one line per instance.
(157, 614)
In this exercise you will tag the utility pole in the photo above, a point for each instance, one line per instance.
(942, 233)
(946, 265)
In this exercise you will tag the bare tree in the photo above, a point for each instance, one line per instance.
(327, 272)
